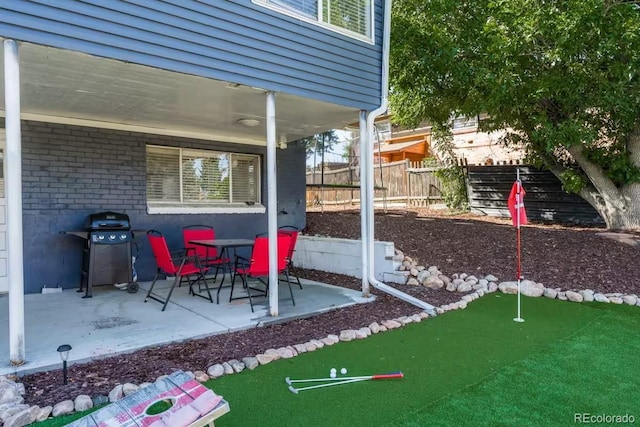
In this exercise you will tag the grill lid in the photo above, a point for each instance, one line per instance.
(108, 221)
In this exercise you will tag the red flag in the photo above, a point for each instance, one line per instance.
(516, 204)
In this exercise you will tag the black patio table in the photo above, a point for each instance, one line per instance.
(224, 245)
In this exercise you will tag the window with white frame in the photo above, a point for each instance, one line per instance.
(180, 177)
(382, 131)
(463, 123)
(354, 16)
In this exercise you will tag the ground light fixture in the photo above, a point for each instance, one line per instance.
(64, 350)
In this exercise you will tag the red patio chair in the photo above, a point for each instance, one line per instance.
(181, 267)
(293, 232)
(209, 256)
(257, 267)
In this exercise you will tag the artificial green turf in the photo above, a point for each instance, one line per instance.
(439, 357)
(591, 372)
(470, 367)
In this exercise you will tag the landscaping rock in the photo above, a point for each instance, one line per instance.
(464, 287)
(363, 333)
(587, 295)
(129, 388)
(114, 395)
(215, 371)
(347, 335)
(227, 368)
(82, 403)
(273, 353)
(300, 348)
(574, 296)
(433, 282)
(8, 411)
(22, 418)
(201, 376)
(263, 359)
(43, 413)
(318, 343)
(422, 276)
(237, 365)
(250, 362)
(62, 408)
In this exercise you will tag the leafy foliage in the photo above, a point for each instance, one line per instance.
(451, 175)
(562, 75)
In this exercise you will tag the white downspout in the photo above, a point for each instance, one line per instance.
(13, 185)
(272, 201)
(367, 158)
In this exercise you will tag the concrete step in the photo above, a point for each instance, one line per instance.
(399, 277)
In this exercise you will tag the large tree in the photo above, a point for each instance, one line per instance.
(563, 76)
(320, 142)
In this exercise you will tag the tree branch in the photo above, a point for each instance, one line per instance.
(602, 184)
(588, 192)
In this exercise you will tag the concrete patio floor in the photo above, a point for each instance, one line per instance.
(115, 321)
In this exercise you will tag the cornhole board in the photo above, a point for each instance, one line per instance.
(194, 405)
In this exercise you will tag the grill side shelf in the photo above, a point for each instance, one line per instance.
(83, 234)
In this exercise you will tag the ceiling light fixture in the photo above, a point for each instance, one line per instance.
(283, 142)
(249, 122)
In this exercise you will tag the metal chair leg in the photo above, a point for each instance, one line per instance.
(155, 279)
(286, 273)
(173, 285)
(245, 282)
(293, 271)
(156, 297)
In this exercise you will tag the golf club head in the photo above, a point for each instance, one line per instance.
(293, 390)
(287, 380)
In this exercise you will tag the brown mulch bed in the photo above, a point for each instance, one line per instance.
(566, 257)
(556, 256)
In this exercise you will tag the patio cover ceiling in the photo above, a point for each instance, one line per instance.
(70, 87)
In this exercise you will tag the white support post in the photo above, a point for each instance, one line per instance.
(364, 210)
(13, 185)
(272, 201)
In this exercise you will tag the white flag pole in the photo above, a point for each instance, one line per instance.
(518, 205)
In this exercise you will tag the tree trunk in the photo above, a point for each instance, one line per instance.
(620, 211)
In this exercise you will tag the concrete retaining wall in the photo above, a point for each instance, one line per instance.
(344, 256)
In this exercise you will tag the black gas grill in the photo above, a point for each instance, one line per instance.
(107, 254)
(111, 227)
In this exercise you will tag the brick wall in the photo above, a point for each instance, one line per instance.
(70, 172)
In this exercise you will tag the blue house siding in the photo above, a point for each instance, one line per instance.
(231, 40)
(70, 172)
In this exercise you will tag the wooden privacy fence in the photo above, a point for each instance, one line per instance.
(489, 187)
(399, 182)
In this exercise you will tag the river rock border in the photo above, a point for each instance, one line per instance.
(15, 413)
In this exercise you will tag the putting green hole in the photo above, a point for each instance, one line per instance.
(159, 406)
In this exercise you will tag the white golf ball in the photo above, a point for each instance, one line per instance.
(333, 371)
(343, 371)
(332, 374)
